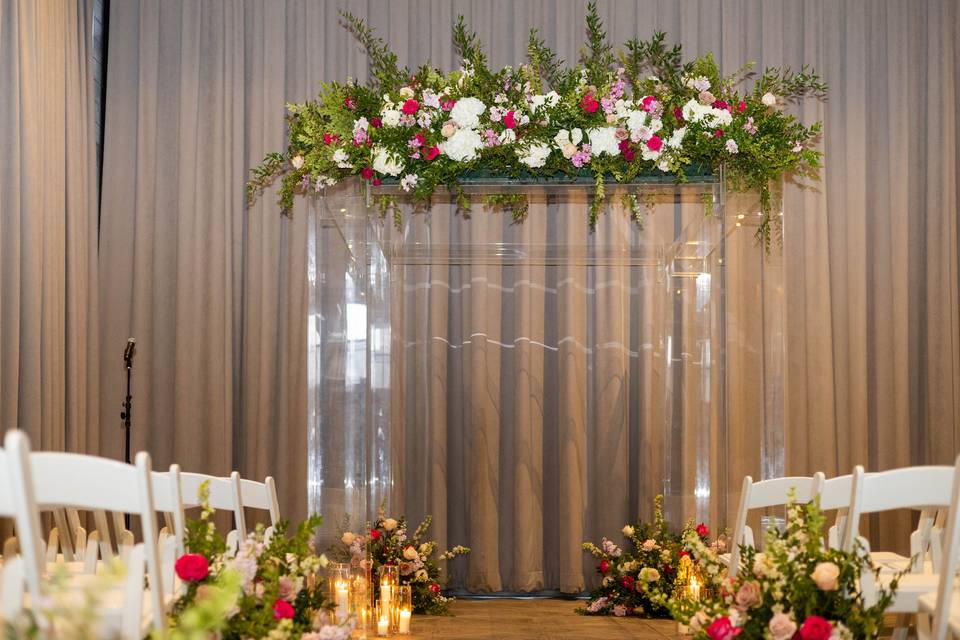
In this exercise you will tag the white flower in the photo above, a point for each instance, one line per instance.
(466, 113)
(386, 163)
(732, 146)
(564, 138)
(700, 83)
(534, 156)
(636, 119)
(297, 161)
(797, 147)
(664, 165)
(718, 117)
(649, 544)
(676, 138)
(408, 182)
(826, 575)
(342, 159)
(391, 117)
(508, 136)
(411, 554)
(463, 145)
(769, 99)
(390, 524)
(656, 124)
(607, 581)
(627, 531)
(406, 92)
(347, 538)
(431, 99)
(604, 140)
(421, 575)
(360, 123)
(548, 99)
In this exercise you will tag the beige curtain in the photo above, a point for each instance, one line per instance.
(214, 293)
(48, 225)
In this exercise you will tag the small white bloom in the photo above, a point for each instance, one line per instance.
(390, 524)
(676, 138)
(548, 99)
(408, 182)
(636, 119)
(769, 99)
(406, 92)
(342, 159)
(297, 161)
(797, 147)
(700, 83)
(421, 575)
(431, 99)
(627, 531)
(564, 137)
(386, 163)
(463, 145)
(732, 146)
(360, 123)
(391, 117)
(656, 124)
(508, 136)
(466, 113)
(534, 156)
(348, 538)
(604, 140)
(411, 554)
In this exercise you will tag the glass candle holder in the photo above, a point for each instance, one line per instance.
(361, 597)
(382, 622)
(389, 583)
(404, 608)
(339, 580)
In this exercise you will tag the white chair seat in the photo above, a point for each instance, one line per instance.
(910, 589)
(928, 604)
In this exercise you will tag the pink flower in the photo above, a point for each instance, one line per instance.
(283, 610)
(349, 103)
(366, 173)
(376, 123)
(374, 534)
(508, 120)
(720, 104)
(749, 594)
(718, 133)
(655, 144)
(410, 107)
(376, 182)
(628, 153)
(192, 567)
(723, 629)
(816, 628)
(649, 103)
(434, 588)
(589, 104)
(619, 610)
(447, 105)
(741, 107)
(432, 152)
(327, 138)
(678, 114)
(782, 627)
(702, 530)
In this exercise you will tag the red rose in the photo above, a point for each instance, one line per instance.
(628, 582)
(604, 566)
(702, 530)
(192, 567)
(376, 182)
(654, 143)
(720, 104)
(410, 107)
(678, 114)
(508, 120)
(434, 588)
(374, 534)
(366, 173)
(283, 610)
(349, 103)
(741, 106)
(816, 628)
(718, 133)
(327, 138)
(376, 123)
(589, 104)
(432, 152)
(723, 629)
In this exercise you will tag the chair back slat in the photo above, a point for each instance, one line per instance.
(774, 492)
(951, 557)
(74, 480)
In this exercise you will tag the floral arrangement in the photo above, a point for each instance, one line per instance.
(387, 543)
(648, 566)
(795, 588)
(269, 589)
(616, 115)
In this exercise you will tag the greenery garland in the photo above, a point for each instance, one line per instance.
(616, 115)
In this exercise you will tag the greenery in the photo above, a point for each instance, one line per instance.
(795, 586)
(618, 114)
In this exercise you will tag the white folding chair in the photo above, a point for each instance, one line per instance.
(261, 496)
(916, 488)
(53, 479)
(26, 566)
(764, 494)
(939, 615)
(168, 500)
(224, 495)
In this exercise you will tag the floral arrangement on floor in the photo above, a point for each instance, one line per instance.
(269, 589)
(795, 588)
(387, 543)
(648, 566)
(615, 115)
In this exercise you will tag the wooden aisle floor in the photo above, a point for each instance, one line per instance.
(504, 619)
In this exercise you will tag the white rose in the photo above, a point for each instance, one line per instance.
(391, 117)
(342, 159)
(466, 113)
(769, 99)
(385, 162)
(463, 145)
(693, 111)
(825, 575)
(389, 524)
(411, 554)
(718, 117)
(565, 138)
(534, 156)
(649, 544)
(508, 136)
(406, 92)
(604, 140)
(297, 161)
(348, 538)
(627, 531)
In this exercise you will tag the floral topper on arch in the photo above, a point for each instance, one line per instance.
(617, 114)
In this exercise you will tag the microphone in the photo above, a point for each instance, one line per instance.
(128, 351)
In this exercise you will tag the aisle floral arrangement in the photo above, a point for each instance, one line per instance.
(269, 589)
(648, 566)
(615, 115)
(795, 588)
(387, 542)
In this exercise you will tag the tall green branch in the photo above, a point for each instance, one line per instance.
(383, 62)
(597, 57)
(543, 62)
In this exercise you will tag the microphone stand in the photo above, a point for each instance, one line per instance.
(125, 416)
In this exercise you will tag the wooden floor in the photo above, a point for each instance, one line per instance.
(503, 619)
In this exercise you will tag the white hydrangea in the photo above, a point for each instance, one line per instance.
(386, 163)
(466, 113)
(534, 156)
(390, 117)
(463, 145)
(676, 138)
(636, 119)
(604, 140)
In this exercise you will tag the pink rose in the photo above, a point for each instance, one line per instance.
(749, 594)
(432, 152)
(649, 103)
(723, 629)
(655, 144)
(718, 133)
(349, 103)
(589, 104)
(816, 628)
(192, 567)
(826, 575)
(410, 107)
(782, 627)
(283, 610)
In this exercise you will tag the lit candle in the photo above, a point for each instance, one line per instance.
(385, 596)
(343, 600)
(404, 620)
(383, 624)
(694, 588)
